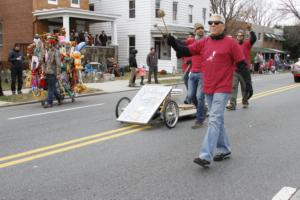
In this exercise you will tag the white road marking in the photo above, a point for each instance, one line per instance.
(56, 111)
(285, 193)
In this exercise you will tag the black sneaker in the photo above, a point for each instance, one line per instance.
(48, 105)
(202, 162)
(20, 92)
(197, 125)
(222, 156)
(230, 107)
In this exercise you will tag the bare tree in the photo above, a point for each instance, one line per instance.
(229, 9)
(261, 12)
(289, 7)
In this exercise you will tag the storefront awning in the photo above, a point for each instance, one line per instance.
(268, 50)
(274, 37)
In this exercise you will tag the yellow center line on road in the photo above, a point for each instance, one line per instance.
(19, 158)
(68, 148)
(270, 92)
(65, 143)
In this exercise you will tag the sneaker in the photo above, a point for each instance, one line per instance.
(197, 125)
(230, 107)
(59, 101)
(222, 156)
(13, 92)
(20, 92)
(202, 162)
(157, 82)
(245, 105)
(48, 105)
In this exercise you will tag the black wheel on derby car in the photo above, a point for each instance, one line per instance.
(121, 105)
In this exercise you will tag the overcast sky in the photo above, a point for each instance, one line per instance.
(290, 20)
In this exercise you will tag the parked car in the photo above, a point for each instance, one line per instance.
(296, 71)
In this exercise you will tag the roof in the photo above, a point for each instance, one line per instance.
(268, 50)
(274, 36)
(75, 13)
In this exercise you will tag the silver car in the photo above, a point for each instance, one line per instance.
(296, 71)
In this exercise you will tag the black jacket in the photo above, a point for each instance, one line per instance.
(13, 55)
(132, 59)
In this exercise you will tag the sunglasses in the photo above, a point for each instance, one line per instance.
(214, 22)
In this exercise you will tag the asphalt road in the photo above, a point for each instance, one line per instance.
(78, 151)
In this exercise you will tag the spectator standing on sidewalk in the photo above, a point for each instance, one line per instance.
(221, 55)
(152, 60)
(142, 73)
(245, 46)
(1, 91)
(133, 67)
(16, 59)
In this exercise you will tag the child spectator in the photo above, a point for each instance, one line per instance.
(142, 73)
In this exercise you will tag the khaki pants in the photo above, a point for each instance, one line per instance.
(237, 78)
(132, 76)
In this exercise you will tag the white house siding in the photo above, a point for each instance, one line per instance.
(142, 24)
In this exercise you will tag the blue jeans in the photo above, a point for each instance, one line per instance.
(196, 95)
(216, 135)
(51, 87)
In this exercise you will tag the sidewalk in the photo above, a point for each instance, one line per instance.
(105, 87)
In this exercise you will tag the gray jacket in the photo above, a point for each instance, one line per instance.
(152, 60)
(53, 63)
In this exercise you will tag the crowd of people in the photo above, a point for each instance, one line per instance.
(89, 39)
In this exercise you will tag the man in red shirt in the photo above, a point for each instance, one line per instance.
(221, 56)
(186, 65)
(245, 46)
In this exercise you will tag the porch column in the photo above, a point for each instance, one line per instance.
(66, 25)
(114, 38)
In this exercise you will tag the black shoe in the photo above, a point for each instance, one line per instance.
(48, 105)
(230, 107)
(202, 162)
(59, 101)
(157, 82)
(222, 156)
(186, 102)
(197, 125)
(13, 92)
(1, 94)
(20, 92)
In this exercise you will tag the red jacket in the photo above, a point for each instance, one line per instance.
(185, 60)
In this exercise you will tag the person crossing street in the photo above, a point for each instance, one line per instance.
(221, 56)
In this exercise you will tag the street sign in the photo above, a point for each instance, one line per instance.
(145, 103)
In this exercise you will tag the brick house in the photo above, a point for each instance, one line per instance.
(269, 40)
(21, 19)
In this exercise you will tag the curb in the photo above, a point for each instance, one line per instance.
(80, 96)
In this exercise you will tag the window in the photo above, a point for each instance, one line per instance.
(1, 34)
(91, 7)
(75, 3)
(131, 8)
(157, 7)
(175, 5)
(52, 2)
(131, 43)
(191, 13)
(162, 48)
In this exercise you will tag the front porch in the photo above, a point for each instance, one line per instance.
(50, 20)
